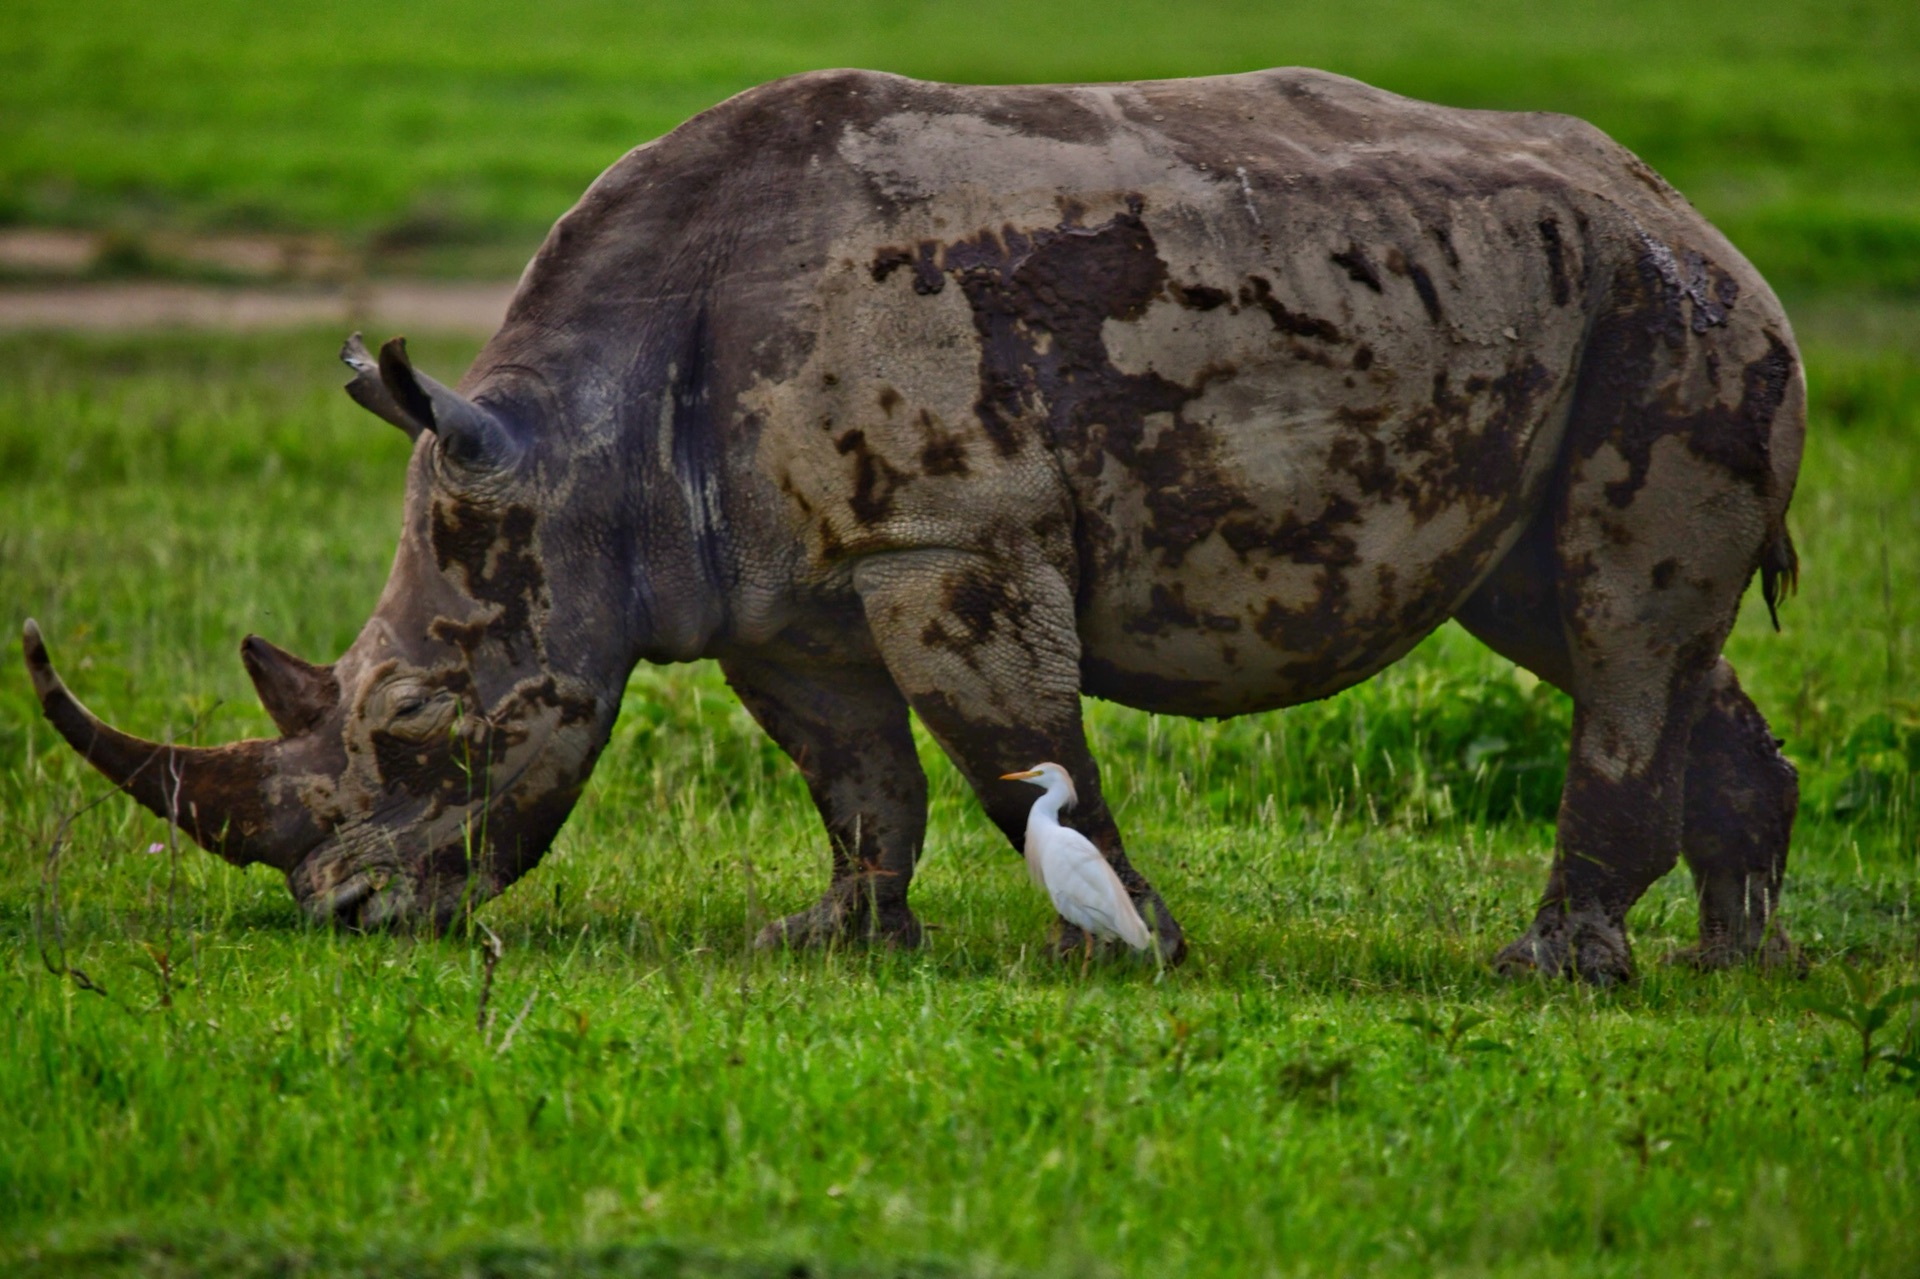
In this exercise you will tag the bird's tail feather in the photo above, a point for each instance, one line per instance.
(1133, 929)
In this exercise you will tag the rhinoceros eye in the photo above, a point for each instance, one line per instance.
(419, 714)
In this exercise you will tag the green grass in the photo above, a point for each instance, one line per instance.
(650, 1097)
(454, 133)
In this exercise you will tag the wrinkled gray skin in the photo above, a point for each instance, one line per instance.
(1203, 396)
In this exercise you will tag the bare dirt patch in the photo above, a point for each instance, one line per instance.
(475, 307)
(82, 280)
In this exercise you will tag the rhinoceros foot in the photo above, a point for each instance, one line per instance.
(1774, 952)
(1584, 943)
(847, 915)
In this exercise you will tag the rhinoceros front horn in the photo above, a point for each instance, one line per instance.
(297, 694)
(218, 795)
(393, 389)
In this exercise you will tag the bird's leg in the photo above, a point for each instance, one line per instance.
(847, 729)
(985, 648)
(1086, 957)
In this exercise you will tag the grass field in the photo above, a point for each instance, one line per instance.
(652, 1098)
(1334, 1084)
(435, 133)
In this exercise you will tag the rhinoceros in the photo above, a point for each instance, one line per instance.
(1204, 396)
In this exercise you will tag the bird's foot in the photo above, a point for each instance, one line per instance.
(1169, 940)
(1072, 944)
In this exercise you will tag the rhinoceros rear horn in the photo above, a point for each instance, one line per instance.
(296, 693)
(471, 436)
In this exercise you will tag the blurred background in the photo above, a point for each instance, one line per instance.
(324, 142)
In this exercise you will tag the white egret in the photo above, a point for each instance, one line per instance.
(1061, 860)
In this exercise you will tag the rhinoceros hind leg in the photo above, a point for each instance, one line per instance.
(1741, 798)
(986, 651)
(847, 729)
(1677, 473)
(1738, 807)
(1578, 931)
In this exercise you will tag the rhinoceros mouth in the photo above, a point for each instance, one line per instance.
(340, 884)
(340, 903)
(359, 877)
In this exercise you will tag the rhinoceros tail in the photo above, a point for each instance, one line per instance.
(1779, 569)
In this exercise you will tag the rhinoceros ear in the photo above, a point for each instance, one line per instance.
(471, 435)
(370, 393)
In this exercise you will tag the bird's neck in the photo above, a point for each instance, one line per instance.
(1047, 807)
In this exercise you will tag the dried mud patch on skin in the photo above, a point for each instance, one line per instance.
(1633, 395)
(1039, 301)
(1434, 462)
(494, 552)
(1258, 292)
(1556, 251)
(945, 452)
(1042, 302)
(980, 603)
(923, 259)
(1739, 437)
(1168, 610)
(875, 480)
(1482, 467)
(1475, 468)
(1355, 263)
(1400, 264)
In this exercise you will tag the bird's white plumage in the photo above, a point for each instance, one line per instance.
(1061, 860)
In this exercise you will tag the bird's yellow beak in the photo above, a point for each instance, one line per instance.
(1020, 777)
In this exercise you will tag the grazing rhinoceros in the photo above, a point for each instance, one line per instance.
(1205, 396)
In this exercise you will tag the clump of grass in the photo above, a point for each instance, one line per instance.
(1449, 1033)
(1313, 1079)
(1862, 1007)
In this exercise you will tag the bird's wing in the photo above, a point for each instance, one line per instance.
(1086, 890)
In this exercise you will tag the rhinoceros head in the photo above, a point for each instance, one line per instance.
(434, 762)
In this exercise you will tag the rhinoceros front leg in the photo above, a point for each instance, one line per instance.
(847, 729)
(985, 649)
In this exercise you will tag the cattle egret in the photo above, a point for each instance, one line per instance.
(1084, 888)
